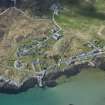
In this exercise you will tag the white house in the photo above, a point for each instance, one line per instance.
(56, 36)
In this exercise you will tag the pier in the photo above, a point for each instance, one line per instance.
(40, 78)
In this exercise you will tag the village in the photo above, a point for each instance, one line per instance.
(36, 48)
(31, 54)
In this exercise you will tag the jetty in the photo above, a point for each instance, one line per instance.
(40, 77)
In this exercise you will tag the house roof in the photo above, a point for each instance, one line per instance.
(55, 6)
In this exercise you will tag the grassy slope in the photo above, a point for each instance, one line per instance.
(14, 24)
(81, 27)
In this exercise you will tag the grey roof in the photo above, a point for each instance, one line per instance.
(55, 6)
(18, 64)
(56, 36)
(35, 62)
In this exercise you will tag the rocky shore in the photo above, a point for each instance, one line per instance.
(49, 80)
(10, 86)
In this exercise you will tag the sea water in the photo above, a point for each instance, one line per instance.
(86, 88)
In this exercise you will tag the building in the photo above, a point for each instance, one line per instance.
(82, 55)
(23, 52)
(55, 7)
(33, 63)
(18, 65)
(54, 30)
(56, 36)
(19, 38)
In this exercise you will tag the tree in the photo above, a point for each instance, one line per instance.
(87, 4)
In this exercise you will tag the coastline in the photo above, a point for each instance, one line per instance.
(49, 80)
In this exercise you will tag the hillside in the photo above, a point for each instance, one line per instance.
(27, 40)
(82, 25)
(15, 27)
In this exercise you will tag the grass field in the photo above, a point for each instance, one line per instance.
(80, 25)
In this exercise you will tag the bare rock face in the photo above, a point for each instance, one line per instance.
(9, 86)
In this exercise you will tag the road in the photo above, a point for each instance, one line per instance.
(82, 57)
